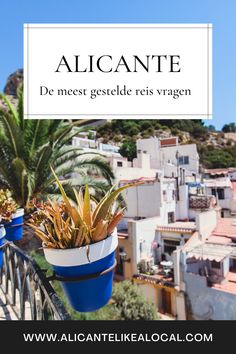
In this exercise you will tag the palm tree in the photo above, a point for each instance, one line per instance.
(29, 146)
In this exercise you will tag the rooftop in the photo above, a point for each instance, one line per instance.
(216, 171)
(160, 278)
(219, 171)
(218, 182)
(225, 227)
(178, 227)
(229, 285)
(221, 240)
(210, 251)
(141, 179)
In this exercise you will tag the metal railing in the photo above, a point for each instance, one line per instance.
(26, 288)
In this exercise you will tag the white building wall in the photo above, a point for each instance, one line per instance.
(206, 222)
(232, 175)
(129, 173)
(149, 200)
(182, 209)
(168, 201)
(161, 236)
(227, 201)
(115, 160)
(233, 206)
(190, 150)
(143, 201)
(84, 143)
(159, 156)
(142, 234)
(150, 146)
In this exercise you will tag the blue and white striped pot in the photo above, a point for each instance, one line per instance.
(90, 294)
(14, 229)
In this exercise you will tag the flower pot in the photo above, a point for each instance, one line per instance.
(89, 294)
(14, 229)
(2, 235)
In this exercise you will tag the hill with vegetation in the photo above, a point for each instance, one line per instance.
(217, 149)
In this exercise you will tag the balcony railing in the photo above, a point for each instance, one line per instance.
(201, 201)
(26, 289)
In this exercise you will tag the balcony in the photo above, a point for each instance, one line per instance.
(201, 202)
(25, 292)
(157, 275)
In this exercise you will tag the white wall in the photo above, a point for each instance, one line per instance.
(159, 156)
(232, 175)
(169, 154)
(170, 170)
(84, 142)
(147, 200)
(206, 222)
(223, 203)
(182, 207)
(142, 234)
(233, 206)
(114, 159)
(168, 205)
(130, 173)
(150, 146)
(162, 235)
(143, 200)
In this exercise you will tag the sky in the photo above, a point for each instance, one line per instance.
(222, 14)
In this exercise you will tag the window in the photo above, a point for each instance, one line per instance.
(183, 160)
(171, 217)
(215, 264)
(119, 163)
(218, 192)
(164, 196)
(170, 246)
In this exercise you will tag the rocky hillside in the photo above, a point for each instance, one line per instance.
(13, 82)
(216, 148)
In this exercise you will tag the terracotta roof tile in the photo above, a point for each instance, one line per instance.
(225, 227)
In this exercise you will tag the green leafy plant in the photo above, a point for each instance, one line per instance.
(69, 225)
(29, 146)
(131, 303)
(8, 206)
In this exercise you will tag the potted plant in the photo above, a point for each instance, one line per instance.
(79, 240)
(11, 215)
(2, 235)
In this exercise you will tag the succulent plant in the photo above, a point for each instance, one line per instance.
(8, 206)
(68, 225)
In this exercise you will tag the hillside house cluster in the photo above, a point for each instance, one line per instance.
(178, 237)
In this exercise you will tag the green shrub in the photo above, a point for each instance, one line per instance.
(131, 303)
(128, 149)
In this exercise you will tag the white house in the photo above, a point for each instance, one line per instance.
(166, 152)
(155, 197)
(207, 270)
(222, 189)
(193, 199)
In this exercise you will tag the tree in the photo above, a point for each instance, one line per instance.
(229, 128)
(131, 304)
(218, 159)
(28, 148)
(211, 128)
(128, 149)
